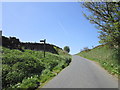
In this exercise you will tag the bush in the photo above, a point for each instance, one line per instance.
(67, 49)
(24, 69)
(30, 82)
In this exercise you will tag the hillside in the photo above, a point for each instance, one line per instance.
(104, 56)
(15, 43)
(28, 68)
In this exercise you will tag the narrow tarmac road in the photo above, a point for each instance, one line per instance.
(83, 73)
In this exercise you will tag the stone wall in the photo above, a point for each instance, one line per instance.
(14, 43)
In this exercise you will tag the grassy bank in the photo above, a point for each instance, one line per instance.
(105, 56)
(27, 69)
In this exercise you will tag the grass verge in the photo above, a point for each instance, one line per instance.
(105, 56)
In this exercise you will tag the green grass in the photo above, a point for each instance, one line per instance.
(105, 56)
(25, 69)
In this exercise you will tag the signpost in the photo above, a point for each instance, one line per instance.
(44, 45)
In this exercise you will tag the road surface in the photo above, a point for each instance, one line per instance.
(83, 73)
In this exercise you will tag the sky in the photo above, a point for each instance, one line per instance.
(0, 16)
(60, 23)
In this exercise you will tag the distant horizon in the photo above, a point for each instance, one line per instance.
(62, 24)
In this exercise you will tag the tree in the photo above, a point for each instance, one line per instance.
(106, 16)
(67, 49)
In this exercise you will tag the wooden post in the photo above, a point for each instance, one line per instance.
(44, 45)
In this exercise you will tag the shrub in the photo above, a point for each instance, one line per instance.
(67, 49)
(24, 69)
(30, 82)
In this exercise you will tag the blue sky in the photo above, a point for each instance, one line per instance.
(0, 16)
(61, 23)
